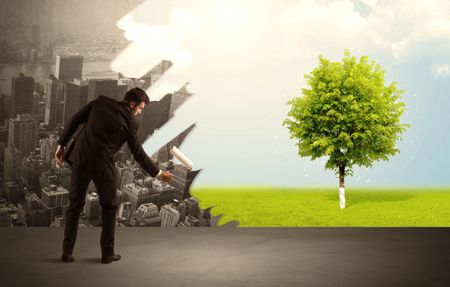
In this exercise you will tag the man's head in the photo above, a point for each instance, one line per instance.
(136, 99)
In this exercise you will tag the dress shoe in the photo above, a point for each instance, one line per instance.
(109, 259)
(67, 257)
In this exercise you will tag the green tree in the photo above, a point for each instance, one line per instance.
(349, 114)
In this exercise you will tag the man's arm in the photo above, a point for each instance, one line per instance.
(138, 152)
(79, 118)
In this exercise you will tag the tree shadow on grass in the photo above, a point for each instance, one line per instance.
(353, 198)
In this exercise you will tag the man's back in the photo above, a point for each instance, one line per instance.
(107, 125)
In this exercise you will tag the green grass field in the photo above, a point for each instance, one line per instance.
(268, 207)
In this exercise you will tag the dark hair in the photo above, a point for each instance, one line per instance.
(136, 95)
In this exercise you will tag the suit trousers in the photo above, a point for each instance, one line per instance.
(102, 173)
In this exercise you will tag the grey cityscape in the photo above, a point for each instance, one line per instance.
(46, 76)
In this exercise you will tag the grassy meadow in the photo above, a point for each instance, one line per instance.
(308, 207)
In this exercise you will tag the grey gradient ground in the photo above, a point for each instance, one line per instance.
(231, 257)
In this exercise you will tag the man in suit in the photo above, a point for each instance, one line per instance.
(108, 125)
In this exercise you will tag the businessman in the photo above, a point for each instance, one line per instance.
(108, 125)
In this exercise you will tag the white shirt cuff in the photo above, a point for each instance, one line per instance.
(159, 173)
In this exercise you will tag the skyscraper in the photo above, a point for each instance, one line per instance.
(22, 88)
(23, 133)
(13, 191)
(121, 90)
(106, 87)
(3, 109)
(182, 180)
(75, 98)
(13, 160)
(155, 116)
(138, 195)
(54, 89)
(47, 147)
(169, 216)
(55, 198)
(68, 68)
(92, 207)
(32, 168)
(178, 98)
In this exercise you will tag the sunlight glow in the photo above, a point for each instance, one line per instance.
(230, 15)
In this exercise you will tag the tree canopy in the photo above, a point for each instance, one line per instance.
(348, 113)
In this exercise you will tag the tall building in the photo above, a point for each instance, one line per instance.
(56, 175)
(75, 98)
(106, 87)
(47, 147)
(156, 73)
(23, 133)
(122, 88)
(178, 98)
(191, 221)
(125, 211)
(54, 90)
(3, 136)
(169, 216)
(47, 51)
(12, 163)
(92, 207)
(32, 168)
(3, 109)
(68, 68)
(48, 178)
(13, 191)
(138, 195)
(36, 104)
(146, 215)
(41, 110)
(33, 212)
(147, 210)
(7, 110)
(182, 180)
(155, 116)
(55, 198)
(63, 173)
(22, 88)
(193, 208)
(127, 174)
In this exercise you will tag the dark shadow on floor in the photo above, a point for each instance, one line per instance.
(91, 260)
(362, 197)
(53, 260)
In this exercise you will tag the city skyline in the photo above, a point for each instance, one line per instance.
(36, 189)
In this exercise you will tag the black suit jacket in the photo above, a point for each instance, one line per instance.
(108, 125)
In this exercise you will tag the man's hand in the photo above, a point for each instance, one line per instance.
(165, 176)
(59, 155)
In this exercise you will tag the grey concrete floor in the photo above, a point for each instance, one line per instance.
(231, 257)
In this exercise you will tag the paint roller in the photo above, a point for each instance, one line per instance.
(181, 157)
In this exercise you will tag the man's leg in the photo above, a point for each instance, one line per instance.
(79, 182)
(104, 180)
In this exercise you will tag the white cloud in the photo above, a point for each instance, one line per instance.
(390, 27)
(441, 70)
(309, 27)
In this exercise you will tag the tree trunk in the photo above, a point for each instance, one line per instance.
(341, 186)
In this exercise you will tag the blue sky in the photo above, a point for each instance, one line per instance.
(245, 60)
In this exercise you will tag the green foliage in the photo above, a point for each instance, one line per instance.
(348, 113)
